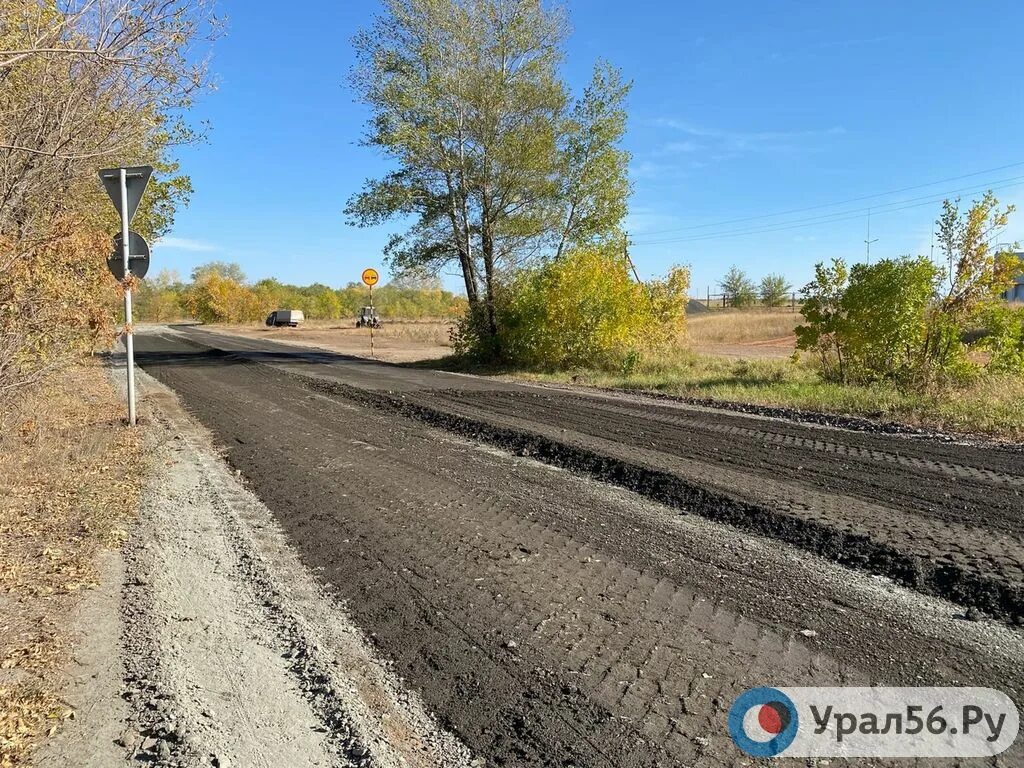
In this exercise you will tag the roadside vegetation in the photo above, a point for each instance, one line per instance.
(913, 323)
(902, 340)
(219, 292)
(991, 405)
(69, 481)
(83, 85)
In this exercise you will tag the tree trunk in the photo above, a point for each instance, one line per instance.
(487, 247)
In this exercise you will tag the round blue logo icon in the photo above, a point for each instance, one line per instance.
(763, 722)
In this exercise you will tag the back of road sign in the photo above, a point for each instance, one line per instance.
(138, 256)
(136, 180)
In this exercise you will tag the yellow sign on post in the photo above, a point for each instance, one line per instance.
(370, 277)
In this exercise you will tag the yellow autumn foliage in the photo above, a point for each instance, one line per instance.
(586, 309)
(55, 300)
(215, 298)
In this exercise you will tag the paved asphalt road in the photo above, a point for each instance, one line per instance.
(590, 580)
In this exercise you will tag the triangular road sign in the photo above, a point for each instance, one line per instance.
(136, 181)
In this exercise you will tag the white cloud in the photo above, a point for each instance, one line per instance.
(186, 244)
(727, 144)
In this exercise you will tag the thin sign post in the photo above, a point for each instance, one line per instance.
(125, 186)
(129, 339)
(370, 277)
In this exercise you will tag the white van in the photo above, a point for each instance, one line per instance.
(289, 317)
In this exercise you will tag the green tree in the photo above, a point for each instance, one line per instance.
(893, 320)
(493, 165)
(773, 290)
(739, 289)
(826, 320)
(228, 270)
(976, 272)
(594, 184)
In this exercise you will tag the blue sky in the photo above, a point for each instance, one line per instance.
(739, 111)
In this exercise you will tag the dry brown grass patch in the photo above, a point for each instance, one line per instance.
(63, 456)
(741, 326)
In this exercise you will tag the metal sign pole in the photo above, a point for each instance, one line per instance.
(129, 342)
(371, 321)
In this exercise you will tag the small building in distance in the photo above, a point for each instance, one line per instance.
(1016, 293)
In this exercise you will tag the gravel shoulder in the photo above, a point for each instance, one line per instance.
(212, 645)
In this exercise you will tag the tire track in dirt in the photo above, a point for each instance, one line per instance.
(998, 596)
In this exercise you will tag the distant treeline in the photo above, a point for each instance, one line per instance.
(220, 293)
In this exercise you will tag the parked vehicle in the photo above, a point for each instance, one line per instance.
(368, 318)
(289, 317)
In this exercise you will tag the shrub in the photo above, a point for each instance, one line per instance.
(54, 298)
(1004, 337)
(824, 333)
(582, 309)
(881, 321)
(900, 320)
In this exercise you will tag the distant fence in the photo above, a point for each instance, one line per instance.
(724, 301)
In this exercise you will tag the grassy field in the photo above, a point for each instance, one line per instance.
(63, 459)
(731, 326)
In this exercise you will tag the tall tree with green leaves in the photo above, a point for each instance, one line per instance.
(739, 289)
(494, 164)
(773, 290)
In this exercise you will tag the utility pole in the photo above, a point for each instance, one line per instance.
(625, 252)
(869, 241)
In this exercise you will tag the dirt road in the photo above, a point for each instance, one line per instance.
(573, 579)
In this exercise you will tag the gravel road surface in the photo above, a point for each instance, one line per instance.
(210, 644)
(551, 572)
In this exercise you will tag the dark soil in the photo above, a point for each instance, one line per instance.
(552, 620)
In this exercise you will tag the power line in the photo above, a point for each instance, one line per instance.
(834, 204)
(839, 216)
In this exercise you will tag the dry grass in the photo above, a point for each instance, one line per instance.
(63, 454)
(732, 326)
